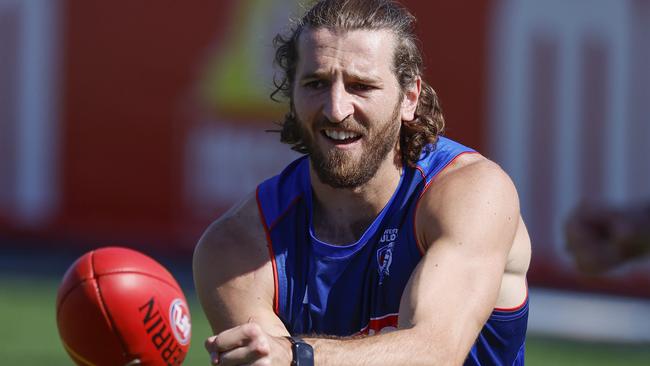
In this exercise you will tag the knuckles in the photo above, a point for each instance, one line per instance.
(253, 339)
(261, 347)
(252, 330)
(259, 342)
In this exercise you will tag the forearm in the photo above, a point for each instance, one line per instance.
(402, 347)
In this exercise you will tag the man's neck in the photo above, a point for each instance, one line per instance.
(342, 215)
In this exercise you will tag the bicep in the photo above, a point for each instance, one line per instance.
(467, 224)
(451, 289)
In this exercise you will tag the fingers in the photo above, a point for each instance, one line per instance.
(211, 347)
(253, 352)
(241, 345)
(239, 336)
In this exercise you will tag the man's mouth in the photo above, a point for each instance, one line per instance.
(341, 137)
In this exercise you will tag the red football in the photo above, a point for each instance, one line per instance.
(116, 306)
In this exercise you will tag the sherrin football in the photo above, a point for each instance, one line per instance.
(116, 306)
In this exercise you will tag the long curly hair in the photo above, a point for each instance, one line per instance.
(345, 15)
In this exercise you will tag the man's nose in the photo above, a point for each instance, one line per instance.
(339, 104)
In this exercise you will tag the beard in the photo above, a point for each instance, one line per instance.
(338, 168)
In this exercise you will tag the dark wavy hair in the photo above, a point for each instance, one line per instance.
(346, 15)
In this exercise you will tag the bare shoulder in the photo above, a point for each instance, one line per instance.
(235, 233)
(475, 169)
(471, 193)
(232, 269)
(471, 178)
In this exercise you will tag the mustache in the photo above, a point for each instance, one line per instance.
(348, 124)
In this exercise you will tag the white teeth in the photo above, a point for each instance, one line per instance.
(340, 135)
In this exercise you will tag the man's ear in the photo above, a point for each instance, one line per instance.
(410, 100)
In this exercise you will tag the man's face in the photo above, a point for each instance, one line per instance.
(348, 103)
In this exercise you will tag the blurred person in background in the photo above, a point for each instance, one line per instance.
(386, 244)
(601, 237)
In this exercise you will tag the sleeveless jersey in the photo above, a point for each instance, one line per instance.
(356, 288)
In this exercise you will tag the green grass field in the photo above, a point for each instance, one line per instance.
(29, 335)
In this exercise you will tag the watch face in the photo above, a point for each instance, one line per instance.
(303, 354)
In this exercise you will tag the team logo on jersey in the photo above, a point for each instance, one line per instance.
(385, 253)
(380, 325)
(179, 318)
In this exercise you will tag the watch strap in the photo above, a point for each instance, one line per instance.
(303, 353)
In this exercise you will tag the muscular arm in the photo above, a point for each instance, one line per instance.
(233, 274)
(468, 222)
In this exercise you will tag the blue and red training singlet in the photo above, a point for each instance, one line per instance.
(356, 288)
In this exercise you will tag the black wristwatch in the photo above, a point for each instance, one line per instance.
(303, 353)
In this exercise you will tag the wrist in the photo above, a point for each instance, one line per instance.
(286, 342)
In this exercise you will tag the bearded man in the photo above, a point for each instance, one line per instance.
(386, 244)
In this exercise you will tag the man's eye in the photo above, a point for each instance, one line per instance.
(315, 84)
(360, 87)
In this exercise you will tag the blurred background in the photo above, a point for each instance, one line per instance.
(137, 123)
